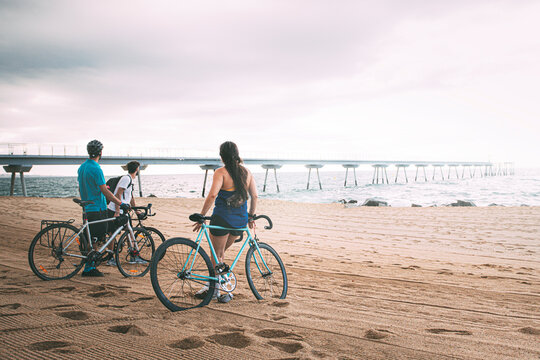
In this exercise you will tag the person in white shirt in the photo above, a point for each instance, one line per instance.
(124, 192)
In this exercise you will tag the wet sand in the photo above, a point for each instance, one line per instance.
(364, 283)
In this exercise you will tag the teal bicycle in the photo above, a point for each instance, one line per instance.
(181, 267)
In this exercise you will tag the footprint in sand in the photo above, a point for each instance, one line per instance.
(192, 342)
(10, 306)
(236, 340)
(112, 306)
(65, 288)
(280, 303)
(289, 347)
(48, 345)
(143, 298)
(74, 315)
(377, 334)
(442, 331)
(128, 329)
(99, 294)
(277, 333)
(278, 317)
(57, 306)
(529, 330)
(232, 329)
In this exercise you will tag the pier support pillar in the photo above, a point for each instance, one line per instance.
(347, 167)
(207, 167)
(423, 168)
(268, 167)
(14, 169)
(141, 168)
(440, 166)
(455, 166)
(404, 167)
(316, 167)
(379, 172)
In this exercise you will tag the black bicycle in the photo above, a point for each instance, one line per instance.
(146, 212)
(60, 249)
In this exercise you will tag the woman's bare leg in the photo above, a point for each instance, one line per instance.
(219, 243)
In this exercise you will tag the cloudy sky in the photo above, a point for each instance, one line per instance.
(409, 80)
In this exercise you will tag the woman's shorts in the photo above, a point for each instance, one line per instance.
(219, 221)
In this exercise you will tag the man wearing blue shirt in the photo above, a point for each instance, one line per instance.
(92, 187)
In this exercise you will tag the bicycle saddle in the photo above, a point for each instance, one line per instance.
(196, 218)
(82, 203)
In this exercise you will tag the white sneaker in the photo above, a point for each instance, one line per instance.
(201, 294)
(111, 262)
(137, 260)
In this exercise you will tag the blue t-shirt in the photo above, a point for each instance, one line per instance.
(90, 177)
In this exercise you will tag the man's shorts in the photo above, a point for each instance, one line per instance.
(100, 229)
(219, 221)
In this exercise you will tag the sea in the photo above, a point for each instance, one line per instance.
(520, 189)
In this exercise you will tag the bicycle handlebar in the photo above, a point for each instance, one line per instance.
(147, 211)
(200, 219)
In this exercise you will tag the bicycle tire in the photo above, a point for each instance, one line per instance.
(266, 285)
(47, 260)
(130, 261)
(165, 274)
(152, 231)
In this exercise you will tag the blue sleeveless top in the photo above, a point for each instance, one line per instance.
(236, 217)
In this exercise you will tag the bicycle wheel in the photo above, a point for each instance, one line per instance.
(133, 259)
(266, 284)
(156, 234)
(56, 252)
(178, 272)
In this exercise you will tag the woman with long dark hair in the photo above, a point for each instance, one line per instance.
(231, 186)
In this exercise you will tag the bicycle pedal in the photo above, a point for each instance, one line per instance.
(222, 268)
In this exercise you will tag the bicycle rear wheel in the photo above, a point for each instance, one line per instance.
(156, 235)
(133, 259)
(266, 281)
(56, 252)
(178, 272)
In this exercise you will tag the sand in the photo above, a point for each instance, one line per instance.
(364, 283)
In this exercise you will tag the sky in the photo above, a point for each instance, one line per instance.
(388, 80)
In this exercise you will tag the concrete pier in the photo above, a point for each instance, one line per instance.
(404, 167)
(379, 172)
(268, 167)
(316, 167)
(207, 167)
(14, 169)
(347, 167)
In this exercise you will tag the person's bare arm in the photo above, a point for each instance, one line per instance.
(252, 190)
(109, 195)
(119, 194)
(217, 183)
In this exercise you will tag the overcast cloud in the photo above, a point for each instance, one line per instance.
(382, 79)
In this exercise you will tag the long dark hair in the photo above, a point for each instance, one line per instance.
(229, 154)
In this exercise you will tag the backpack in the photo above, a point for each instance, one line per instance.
(113, 182)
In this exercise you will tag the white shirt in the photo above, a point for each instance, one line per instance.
(126, 195)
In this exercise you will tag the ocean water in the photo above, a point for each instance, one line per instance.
(523, 188)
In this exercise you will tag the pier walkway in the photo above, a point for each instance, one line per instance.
(17, 160)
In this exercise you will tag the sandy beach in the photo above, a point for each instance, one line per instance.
(364, 283)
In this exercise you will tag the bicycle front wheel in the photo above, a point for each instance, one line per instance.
(180, 275)
(265, 272)
(133, 257)
(56, 252)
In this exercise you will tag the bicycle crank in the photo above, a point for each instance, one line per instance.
(227, 282)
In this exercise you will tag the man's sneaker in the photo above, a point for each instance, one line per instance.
(137, 260)
(111, 262)
(201, 294)
(225, 298)
(93, 273)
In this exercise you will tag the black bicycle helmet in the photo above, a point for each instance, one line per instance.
(94, 148)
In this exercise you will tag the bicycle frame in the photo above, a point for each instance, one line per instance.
(86, 226)
(204, 230)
